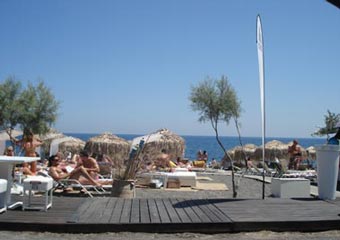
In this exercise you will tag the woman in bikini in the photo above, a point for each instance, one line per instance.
(29, 144)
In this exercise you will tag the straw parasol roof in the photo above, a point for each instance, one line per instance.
(273, 149)
(276, 149)
(161, 139)
(237, 153)
(149, 147)
(107, 143)
(312, 152)
(54, 141)
(71, 144)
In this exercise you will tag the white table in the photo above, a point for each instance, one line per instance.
(7, 163)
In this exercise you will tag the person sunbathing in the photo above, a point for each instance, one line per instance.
(79, 173)
(105, 164)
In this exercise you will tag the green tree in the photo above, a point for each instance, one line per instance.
(9, 105)
(31, 109)
(331, 119)
(216, 101)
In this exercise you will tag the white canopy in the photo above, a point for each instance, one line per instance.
(54, 147)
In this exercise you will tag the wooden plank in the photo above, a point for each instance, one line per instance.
(180, 211)
(108, 210)
(189, 211)
(135, 212)
(117, 211)
(81, 210)
(144, 211)
(204, 206)
(217, 211)
(245, 215)
(94, 211)
(153, 210)
(126, 211)
(163, 214)
(198, 211)
(174, 218)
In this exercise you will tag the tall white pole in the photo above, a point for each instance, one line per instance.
(260, 54)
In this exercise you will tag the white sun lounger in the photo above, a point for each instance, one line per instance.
(187, 179)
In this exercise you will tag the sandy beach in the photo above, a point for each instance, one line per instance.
(246, 188)
(263, 235)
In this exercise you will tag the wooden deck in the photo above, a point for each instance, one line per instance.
(106, 214)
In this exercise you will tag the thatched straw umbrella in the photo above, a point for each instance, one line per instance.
(239, 153)
(276, 149)
(161, 139)
(47, 140)
(115, 147)
(71, 144)
(312, 153)
(273, 149)
(153, 144)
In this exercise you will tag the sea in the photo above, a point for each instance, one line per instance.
(209, 143)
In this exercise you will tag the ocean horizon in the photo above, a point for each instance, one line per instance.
(209, 143)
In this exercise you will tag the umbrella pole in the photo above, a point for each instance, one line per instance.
(263, 173)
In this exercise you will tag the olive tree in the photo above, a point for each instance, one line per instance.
(331, 119)
(10, 108)
(32, 109)
(216, 101)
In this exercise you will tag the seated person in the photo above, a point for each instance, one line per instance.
(89, 163)
(170, 164)
(182, 164)
(214, 163)
(163, 162)
(23, 168)
(91, 166)
(9, 151)
(105, 164)
(204, 156)
(79, 173)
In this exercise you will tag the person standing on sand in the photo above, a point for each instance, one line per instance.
(29, 143)
(295, 155)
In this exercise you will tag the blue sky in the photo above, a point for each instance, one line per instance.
(128, 66)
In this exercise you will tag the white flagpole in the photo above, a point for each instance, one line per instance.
(260, 54)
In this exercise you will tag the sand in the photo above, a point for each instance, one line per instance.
(215, 185)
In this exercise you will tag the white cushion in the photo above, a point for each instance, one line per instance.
(38, 183)
(3, 185)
